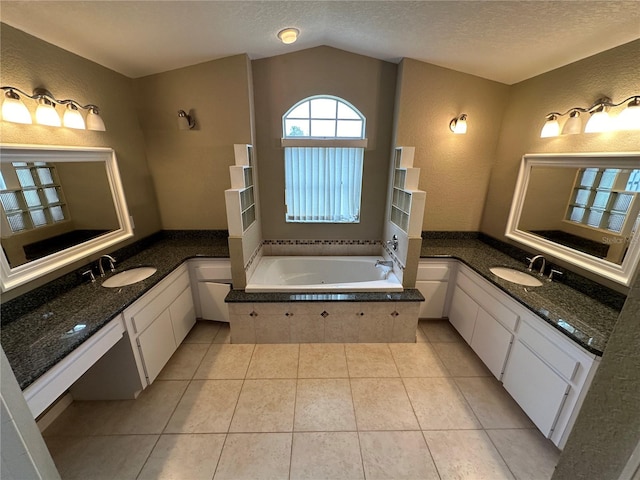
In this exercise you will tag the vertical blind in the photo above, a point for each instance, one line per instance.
(323, 184)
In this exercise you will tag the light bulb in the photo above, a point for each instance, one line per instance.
(46, 114)
(94, 120)
(629, 118)
(599, 122)
(551, 127)
(13, 110)
(73, 118)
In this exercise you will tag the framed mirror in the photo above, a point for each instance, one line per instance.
(581, 208)
(59, 205)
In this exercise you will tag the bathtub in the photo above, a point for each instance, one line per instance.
(322, 274)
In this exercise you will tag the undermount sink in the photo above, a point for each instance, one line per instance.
(129, 277)
(516, 276)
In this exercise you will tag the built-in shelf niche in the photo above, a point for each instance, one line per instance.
(240, 198)
(407, 202)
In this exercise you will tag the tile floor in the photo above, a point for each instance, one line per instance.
(428, 410)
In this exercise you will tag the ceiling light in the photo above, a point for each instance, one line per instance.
(459, 124)
(288, 35)
(13, 110)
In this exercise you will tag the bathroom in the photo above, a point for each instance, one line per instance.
(169, 174)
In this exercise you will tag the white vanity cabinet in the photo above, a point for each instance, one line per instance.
(433, 283)
(211, 279)
(545, 372)
(481, 314)
(158, 322)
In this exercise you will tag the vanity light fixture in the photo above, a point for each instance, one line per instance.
(599, 119)
(13, 110)
(185, 121)
(288, 35)
(459, 124)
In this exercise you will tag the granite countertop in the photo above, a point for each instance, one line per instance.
(37, 340)
(585, 320)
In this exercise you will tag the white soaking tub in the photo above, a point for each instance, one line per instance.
(322, 274)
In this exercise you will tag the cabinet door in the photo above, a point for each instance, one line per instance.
(183, 315)
(212, 300)
(462, 313)
(156, 345)
(491, 341)
(535, 386)
(435, 294)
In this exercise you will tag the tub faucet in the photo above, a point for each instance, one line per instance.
(112, 262)
(393, 242)
(533, 260)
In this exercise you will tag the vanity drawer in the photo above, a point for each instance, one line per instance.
(560, 361)
(488, 301)
(157, 300)
(433, 271)
(212, 270)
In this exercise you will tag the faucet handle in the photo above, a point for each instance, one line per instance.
(550, 277)
(91, 275)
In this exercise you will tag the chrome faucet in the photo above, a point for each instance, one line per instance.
(393, 242)
(112, 262)
(533, 260)
(384, 263)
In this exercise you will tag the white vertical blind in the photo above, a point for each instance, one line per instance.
(323, 184)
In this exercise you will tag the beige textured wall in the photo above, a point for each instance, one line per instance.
(613, 73)
(280, 82)
(190, 168)
(27, 63)
(455, 169)
(608, 427)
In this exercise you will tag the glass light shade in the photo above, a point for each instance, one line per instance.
(599, 122)
(551, 127)
(73, 118)
(13, 110)
(573, 125)
(629, 118)
(47, 115)
(459, 125)
(94, 121)
(288, 35)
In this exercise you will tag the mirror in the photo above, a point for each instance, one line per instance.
(59, 205)
(581, 208)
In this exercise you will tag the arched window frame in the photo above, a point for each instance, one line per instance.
(344, 112)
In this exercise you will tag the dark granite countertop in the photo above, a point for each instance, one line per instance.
(408, 295)
(577, 315)
(37, 338)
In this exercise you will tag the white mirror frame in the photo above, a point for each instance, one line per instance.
(618, 273)
(13, 277)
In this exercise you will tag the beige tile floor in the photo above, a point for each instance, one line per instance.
(428, 410)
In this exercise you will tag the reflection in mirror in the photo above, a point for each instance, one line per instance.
(581, 208)
(59, 204)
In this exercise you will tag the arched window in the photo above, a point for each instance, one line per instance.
(323, 117)
(323, 139)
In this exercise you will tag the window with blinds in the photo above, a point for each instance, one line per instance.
(324, 140)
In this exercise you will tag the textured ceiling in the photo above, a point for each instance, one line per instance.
(506, 41)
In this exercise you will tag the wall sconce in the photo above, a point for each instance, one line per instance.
(185, 121)
(13, 110)
(599, 120)
(459, 124)
(288, 35)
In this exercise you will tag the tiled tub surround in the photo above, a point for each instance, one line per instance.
(363, 317)
(34, 326)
